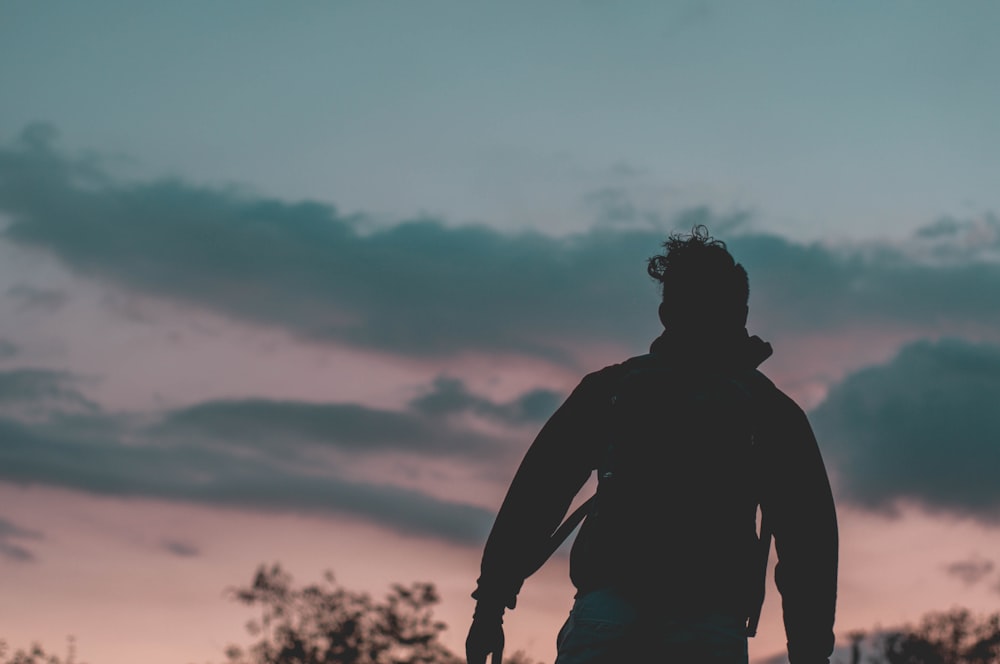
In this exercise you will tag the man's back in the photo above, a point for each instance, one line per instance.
(675, 516)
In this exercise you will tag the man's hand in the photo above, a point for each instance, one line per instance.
(485, 636)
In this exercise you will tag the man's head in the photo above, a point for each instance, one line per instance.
(705, 291)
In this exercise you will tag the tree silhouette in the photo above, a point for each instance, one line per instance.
(36, 654)
(942, 637)
(321, 623)
(325, 623)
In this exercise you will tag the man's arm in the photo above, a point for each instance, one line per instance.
(799, 506)
(554, 469)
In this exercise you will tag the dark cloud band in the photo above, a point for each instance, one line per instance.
(923, 429)
(255, 454)
(424, 288)
(32, 455)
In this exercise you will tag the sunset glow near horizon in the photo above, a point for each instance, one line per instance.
(301, 284)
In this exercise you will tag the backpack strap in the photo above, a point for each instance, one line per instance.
(561, 533)
(764, 536)
(763, 551)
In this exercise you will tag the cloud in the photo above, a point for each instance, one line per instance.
(423, 288)
(7, 349)
(949, 238)
(417, 288)
(921, 429)
(278, 425)
(450, 396)
(43, 388)
(33, 298)
(816, 289)
(262, 454)
(614, 206)
(180, 549)
(424, 428)
(970, 571)
(14, 551)
(126, 467)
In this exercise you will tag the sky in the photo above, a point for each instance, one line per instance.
(300, 284)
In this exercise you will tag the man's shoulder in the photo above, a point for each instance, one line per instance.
(603, 382)
(612, 372)
(775, 405)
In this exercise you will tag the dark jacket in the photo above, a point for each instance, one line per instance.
(694, 548)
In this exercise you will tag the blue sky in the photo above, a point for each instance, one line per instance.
(300, 282)
(849, 119)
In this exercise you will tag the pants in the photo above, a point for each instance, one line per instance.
(606, 627)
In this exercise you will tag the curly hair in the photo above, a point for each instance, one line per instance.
(699, 279)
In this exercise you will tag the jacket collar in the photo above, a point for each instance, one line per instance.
(737, 350)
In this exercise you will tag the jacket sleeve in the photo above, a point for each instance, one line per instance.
(798, 504)
(554, 469)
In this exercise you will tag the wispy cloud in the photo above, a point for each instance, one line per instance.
(449, 396)
(13, 550)
(972, 570)
(279, 425)
(180, 548)
(32, 297)
(949, 238)
(42, 388)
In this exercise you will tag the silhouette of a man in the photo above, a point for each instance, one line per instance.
(687, 440)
